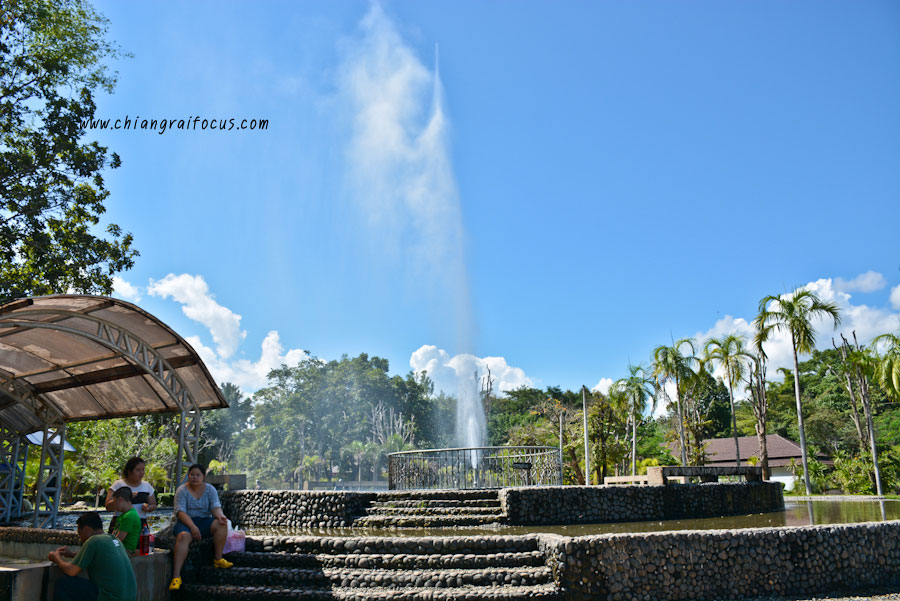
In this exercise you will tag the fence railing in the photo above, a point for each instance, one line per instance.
(474, 467)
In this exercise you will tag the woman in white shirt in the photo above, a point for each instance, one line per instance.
(143, 497)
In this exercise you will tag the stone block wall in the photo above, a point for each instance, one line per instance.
(717, 564)
(294, 508)
(598, 504)
(58, 538)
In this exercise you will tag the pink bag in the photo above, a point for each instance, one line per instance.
(235, 542)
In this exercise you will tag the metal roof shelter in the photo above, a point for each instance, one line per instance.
(72, 357)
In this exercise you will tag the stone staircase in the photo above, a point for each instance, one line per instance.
(432, 508)
(476, 568)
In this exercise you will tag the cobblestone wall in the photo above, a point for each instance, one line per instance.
(598, 504)
(719, 564)
(294, 508)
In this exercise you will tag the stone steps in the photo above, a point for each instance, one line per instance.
(462, 511)
(356, 578)
(544, 592)
(398, 561)
(451, 495)
(432, 509)
(431, 545)
(427, 521)
(432, 502)
(458, 568)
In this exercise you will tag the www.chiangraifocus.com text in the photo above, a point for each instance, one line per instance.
(192, 123)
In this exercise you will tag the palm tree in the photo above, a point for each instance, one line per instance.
(729, 353)
(888, 364)
(636, 389)
(793, 314)
(357, 449)
(671, 365)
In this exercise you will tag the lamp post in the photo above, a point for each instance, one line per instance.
(562, 412)
(587, 448)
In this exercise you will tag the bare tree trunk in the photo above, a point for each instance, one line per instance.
(680, 424)
(757, 380)
(867, 407)
(633, 443)
(734, 432)
(854, 415)
(803, 453)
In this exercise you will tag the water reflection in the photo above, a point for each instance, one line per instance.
(796, 513)
(799, 513)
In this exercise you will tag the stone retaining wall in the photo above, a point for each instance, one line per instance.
(39, 535)
(600, 504)
(730, 564)
(294, 508)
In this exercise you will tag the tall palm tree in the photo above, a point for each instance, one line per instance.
(793, 314)
(672, 365)
(729, 353)
(888, 363)
(636, 389)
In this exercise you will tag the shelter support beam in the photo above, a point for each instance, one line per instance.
(188, 443)
(50, 474)
(13, 451)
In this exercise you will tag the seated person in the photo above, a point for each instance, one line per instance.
(128, 525)
(142, 495)
(199, 515)
(108, 566)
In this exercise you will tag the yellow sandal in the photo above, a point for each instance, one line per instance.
(175, 584)
(222, 563)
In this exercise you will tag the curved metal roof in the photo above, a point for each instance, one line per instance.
(94, 357)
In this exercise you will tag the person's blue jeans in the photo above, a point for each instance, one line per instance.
(73, 588)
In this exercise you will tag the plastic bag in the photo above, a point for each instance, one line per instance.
(235, 542)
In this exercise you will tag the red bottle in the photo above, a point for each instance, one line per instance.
(144, 541)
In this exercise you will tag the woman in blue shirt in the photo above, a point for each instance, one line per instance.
(199, 515)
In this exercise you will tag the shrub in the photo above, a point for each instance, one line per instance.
(165, 499)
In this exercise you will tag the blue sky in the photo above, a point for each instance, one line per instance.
(576, 182)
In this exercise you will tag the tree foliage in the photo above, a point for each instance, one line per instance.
(52, 62)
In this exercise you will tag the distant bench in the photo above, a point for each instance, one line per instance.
(659, 475)
(616, 480)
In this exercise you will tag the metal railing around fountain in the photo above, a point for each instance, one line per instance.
(474, 467)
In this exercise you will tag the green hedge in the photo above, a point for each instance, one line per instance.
(165, 499)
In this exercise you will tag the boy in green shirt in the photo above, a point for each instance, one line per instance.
(128, 524)
(107, 564)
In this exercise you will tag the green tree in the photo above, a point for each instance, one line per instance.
(52, 62)
(888, 368)
(759, 404)
(729, 353)
(793, 314)
(636, 390)
(221, 428)
(670, 364)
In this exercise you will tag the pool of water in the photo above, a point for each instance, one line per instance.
(796, 513)
(65, 520)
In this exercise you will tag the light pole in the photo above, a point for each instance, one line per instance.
(562, 412)
(587, 447)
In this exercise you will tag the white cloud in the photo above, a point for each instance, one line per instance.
(223, 325)
(866, 321)
(125, 290)
(869, 281)
(446, 372)
(200, 305)
(603, 386)
(249, 375)
(895, 297)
